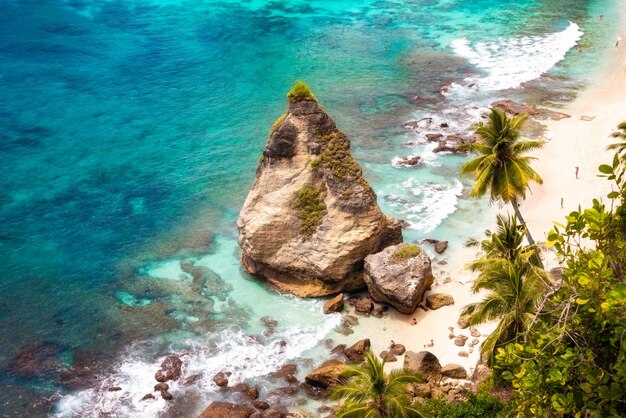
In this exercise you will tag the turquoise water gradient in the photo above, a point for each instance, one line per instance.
(131, 131)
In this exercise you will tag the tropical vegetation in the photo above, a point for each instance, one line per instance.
(368, 392)
(502, 167)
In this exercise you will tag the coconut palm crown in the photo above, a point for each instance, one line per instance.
(368, 392)
(619, 147)
(502, 169)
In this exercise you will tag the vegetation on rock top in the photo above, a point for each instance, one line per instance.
(311, 209)
(407, 251)
(299, 92)
(277, 123)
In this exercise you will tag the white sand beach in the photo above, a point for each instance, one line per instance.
(575, 142)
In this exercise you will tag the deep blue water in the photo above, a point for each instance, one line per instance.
(130, 132)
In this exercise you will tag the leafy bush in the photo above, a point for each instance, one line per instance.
(407, 251)
(299, 92)
(311, 209)
(476, 406)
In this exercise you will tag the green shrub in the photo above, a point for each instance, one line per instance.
(315, 164)
(476, 406)
(299, 92)
(311, 209)
(407, 251)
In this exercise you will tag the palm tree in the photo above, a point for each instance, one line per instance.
(501, 168)
(620, 147)
(369, 392)
(506, 242)
(515, 289)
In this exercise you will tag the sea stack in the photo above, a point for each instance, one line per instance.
(310, 218)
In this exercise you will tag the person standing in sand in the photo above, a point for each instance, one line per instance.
(561, 203)
(577, 172)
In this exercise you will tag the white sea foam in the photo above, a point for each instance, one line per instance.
(228, 350)
(507, 63)
(425, 206)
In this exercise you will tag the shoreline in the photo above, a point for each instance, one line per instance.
(574, 142)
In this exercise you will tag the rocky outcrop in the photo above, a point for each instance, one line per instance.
(424, 362)
(226, 410)
(439, 300)
(399, 275)
(171, 369)
(327, 374)
(514, 108)
(310, 218)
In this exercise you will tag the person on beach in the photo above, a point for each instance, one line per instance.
(414, 321)
(432, 343)
(392, 344)
(561, 203)
(576, 172)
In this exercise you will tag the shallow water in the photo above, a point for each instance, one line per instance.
(130, 136)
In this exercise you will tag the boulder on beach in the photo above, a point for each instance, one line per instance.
(454, 371)
(334, 304)
(460, 340)
(226, 410)
(356, 352)
(439, 300)
(327, 374)
(311, 218)
(399, 275)
(424, 362)
(464, 321)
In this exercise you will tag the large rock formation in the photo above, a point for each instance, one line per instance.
(399, 275)
(310, 217)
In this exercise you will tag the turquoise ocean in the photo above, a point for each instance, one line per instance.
(130, 133)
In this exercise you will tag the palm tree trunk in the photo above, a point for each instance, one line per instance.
(529, 237)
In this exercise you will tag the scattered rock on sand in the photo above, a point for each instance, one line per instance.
(464, 321)
(454, 371)
(474, 342)
(424, 362)
(351, 320)
(223, 409)
(463, 354)
(334, 305)
(356, 352)
(475, 333)
(460, 340)
(390, 356)
(439, 300)
(398, 349)
(399, 275)
(363, 306)
(327, 374)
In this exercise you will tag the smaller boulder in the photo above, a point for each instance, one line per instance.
(398, 349)
(454, 371)
(221, 379)
(424, 362)
(475, 333)
(463, 354)
(390, 356)
(327, 374)
(464, 321)
(460, 340)
(223, 409)
(357, 351)
(171, 369)
(363, 306)
(439, 300)
(334, 305)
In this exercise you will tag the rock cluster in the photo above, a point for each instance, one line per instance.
(310, 218)
(514, 108)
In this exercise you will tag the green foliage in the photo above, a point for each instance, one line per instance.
(407, 251)
(299, 92)
(476, 406)
(368, 392)
(315, 163)
(277, 123)
(336, 159)
(311, 209)
(573, 359)
(501, 167)
(508, 270)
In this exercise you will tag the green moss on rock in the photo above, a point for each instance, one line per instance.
(406, 252)
(300, 92)
(311, 209)
(277, 123)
